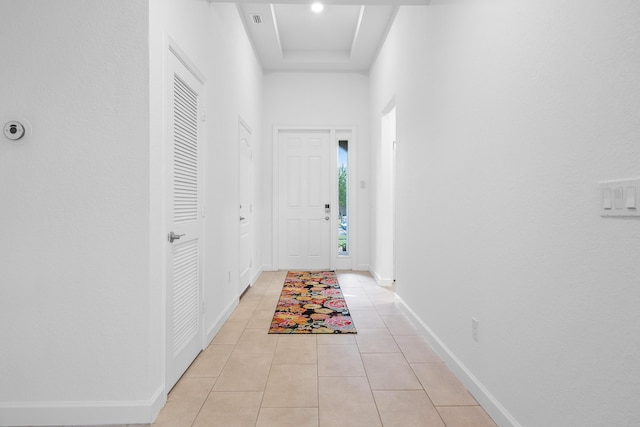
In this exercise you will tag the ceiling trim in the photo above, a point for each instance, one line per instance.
(272, 7)
(290, 38)
(355, 36)
(385, 34)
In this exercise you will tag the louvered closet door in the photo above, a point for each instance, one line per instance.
(184, 256)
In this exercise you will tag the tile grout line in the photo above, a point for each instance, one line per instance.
(318, 377)
(203, 402)
(264, 392)
(218, 376)
(225, 364)
(373, 396)
(414, 374)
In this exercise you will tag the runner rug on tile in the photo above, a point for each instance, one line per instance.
(311, 302)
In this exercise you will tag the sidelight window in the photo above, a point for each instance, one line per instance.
(343, 198)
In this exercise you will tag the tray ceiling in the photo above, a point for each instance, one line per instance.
(291, 37)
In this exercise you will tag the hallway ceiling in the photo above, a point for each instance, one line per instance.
(289, 36)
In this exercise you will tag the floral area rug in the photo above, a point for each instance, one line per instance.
(311, 302)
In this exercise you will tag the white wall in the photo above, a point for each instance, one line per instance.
(317, 99)
(213, 38)
(82, 295)
(509, 113)
(74, 211)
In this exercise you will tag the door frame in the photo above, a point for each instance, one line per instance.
(353, 173)
(243, 124)
(385, 245)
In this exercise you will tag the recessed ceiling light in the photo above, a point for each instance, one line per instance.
(317, 7)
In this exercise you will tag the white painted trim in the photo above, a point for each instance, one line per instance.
(252, 226)
(382, 281)
(242, 122)
(184, 58)
(347, 262)
(390, 106)
(82, 413)
(219, 322)
(333, 191)
(256, 274)
(226, 313)
(357, 32)
(158, 400)
(275, 28)
(157, 226)
(363, 267)
(245, 26)
(489, 403)
(275, 196)
(387, 30)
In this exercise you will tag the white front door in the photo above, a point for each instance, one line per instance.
(245, 208)
(304, 205)
(184, 221)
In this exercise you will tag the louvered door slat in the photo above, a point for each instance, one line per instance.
(183, 128)
(185, 293)
(185, 157)
(187, 96)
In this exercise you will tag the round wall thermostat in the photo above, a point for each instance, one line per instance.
(14, 130)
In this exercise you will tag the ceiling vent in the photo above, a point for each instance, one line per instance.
(256, 18)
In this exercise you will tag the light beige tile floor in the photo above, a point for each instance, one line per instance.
(386, 375)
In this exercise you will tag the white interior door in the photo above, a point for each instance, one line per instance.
(184, 221)
(304, 205)
(245, 208)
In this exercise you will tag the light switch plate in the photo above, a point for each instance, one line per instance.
(619, 198)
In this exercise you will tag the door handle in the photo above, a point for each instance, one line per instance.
(326, 218)
(242, 218)
(173, 236)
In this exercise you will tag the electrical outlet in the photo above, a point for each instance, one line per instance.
(474, 328)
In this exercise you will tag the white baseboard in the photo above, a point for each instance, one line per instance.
(256, 274)
(489, 403)
(267, 267)
(381, 280)
(219, 322)
(82, 413)
(362, 267)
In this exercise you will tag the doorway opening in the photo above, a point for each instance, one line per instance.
(385, 244)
